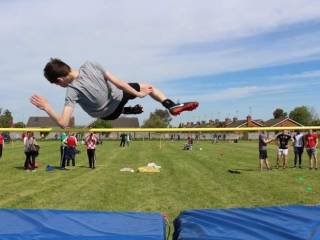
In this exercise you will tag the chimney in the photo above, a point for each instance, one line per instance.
(227, 121)
(249, 119)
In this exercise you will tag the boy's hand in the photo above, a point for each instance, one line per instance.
(145, 90)
(40, 102)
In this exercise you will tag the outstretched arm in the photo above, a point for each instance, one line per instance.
(61, 119)
(126, 87)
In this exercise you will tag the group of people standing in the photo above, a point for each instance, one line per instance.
(68, 150)
(299, 141)
(125, 140)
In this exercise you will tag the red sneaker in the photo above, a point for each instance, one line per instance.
(179, 108)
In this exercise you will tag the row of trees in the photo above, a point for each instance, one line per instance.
(6, 120)
(305, 115)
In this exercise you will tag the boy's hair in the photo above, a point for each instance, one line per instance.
(55, 69)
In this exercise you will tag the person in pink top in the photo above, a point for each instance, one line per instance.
(311, 143)
(1, 145)
(91, 143)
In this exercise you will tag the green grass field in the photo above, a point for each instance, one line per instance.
(188, 179)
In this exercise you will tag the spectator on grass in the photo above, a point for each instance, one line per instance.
(1, 145)
(128, 139)
(263, 154)
(215, 138)
(298, 145)
(188, 145)
(123, 137)
(311, 143)
(91, 143)
(70, 151)
(63, 146)
(283, 143)
(31, 149)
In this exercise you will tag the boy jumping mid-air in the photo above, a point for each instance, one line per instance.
(99, 93)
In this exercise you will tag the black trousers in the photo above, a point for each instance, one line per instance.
(1, 147)
(30, 162)
(123, 143)
(91, 157)
(62, 154)
(298, 155)
(69, 153)
(126, 97)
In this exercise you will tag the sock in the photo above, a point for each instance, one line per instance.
(137, 109)
(127, 110)
(168, 103)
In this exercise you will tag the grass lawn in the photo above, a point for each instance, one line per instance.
(188, 179)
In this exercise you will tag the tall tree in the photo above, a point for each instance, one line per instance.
(158, 119)
(19, 125)
(302, 115)
(6, 119)
(279, 113)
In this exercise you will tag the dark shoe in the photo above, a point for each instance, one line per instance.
(137, 109)
(179, 108)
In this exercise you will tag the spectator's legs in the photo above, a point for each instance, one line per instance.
(26, 162)
(93, 159)
(267, 164)
(1, 146)
(315, 160)
(300, 156)
(89, 157)
(33, 160)
(296, 155)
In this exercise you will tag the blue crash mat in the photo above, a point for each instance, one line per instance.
(263, 223)
(79, 225)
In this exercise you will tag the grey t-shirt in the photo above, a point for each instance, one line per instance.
(262, 144)
(96, 96)
(298, 140)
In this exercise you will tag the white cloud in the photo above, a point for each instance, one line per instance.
(241, 92)
(299, 76)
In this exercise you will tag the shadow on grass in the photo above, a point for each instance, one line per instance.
(244, 169)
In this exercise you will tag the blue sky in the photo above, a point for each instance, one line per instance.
(234, 57)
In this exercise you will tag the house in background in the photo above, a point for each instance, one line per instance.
(281, 122)
(46, 122)
(244, 123)
(247, 123)
(124, 122)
